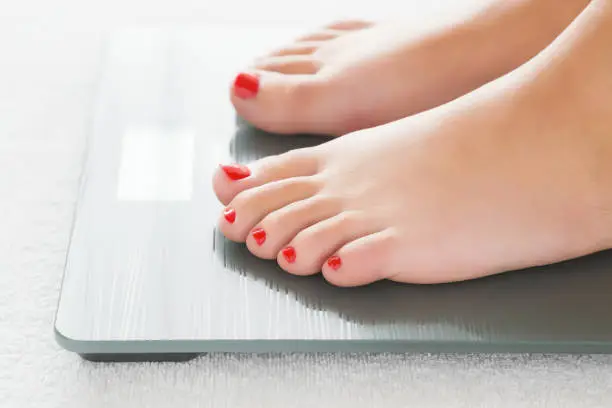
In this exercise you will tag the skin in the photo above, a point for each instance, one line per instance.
(354, 75)
(512, 175)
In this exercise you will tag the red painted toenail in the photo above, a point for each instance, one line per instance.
(334, 262)
(236, 171)
(289, 254)
(246, 86)
(259, 235)
(230, 215)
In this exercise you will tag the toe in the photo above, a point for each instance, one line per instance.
(283, 225)
(280, 103)
(250, 206)
(300, 48)
(363, 261)
(350, 25)
(290, 64)
(230, 180)
(315, 244)
(322, 35)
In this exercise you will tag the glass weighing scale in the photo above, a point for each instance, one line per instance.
(148, 276)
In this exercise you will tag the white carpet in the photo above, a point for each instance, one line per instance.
(49, 61)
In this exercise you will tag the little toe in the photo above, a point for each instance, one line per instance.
(283, 104)
(289, 64)
(250, 206)
(283, 225)
(362, 261)
(230, 180)
(315, 244)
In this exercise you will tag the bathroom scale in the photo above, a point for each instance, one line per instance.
(148, 276)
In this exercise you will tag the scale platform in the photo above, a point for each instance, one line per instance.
(149, 277)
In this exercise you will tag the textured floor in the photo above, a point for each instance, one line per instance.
(49, 62)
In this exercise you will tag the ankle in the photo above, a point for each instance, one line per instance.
(511, 33)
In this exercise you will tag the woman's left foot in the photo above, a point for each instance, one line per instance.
(514, 175)
(354, 75)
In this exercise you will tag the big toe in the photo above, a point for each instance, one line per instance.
(284, 103)
(232, 179)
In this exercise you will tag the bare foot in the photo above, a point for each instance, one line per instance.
(513, 175)
(354, 75)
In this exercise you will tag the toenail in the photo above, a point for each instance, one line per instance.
(236, 171)
(230, 215)
(289, 254)
(259, 235)
(334, 262)
(246, 86)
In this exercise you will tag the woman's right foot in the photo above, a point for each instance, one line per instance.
(355, 75)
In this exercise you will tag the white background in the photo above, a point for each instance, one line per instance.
(49, 62)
